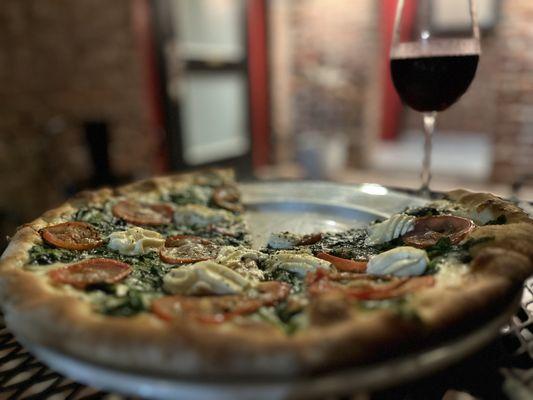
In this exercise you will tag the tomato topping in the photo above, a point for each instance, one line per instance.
(310, 239)
(344, 264)
(143, 214)
(272, 292)
(397, 288)
(90, 272)
(366, 287)
(182, 249)
(428, 230)
(216, 309)
(72, 236)
(228, 197)
(212, 309)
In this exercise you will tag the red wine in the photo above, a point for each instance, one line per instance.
(431, 76)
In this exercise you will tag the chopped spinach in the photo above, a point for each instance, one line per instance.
(474, 242)
(348, 244)
(285, 313)
(130, 304)
(43, 254)
(443, 246)
(283, 275)
(501, 220)
(100, 218)
(422, 211)
(380, 248)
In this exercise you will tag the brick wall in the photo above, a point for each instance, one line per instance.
(328, 61)
(331, 48)
(513, 130)
(63, 62)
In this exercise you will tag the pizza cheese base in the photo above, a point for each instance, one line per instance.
(160, 277)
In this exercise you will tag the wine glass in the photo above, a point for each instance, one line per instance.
(431, 65)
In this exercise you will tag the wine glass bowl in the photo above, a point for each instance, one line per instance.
(431, 67)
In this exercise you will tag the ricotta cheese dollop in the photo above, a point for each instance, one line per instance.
(202, 278)
(401, 261)
(299, 263)
(135, 241)
(390, 229)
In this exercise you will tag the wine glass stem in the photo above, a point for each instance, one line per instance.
(429, 127)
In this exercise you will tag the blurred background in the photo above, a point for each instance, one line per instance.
(97, 92)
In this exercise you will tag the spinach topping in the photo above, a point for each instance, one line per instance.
(347, 244)
(283, 275)
(422, 211)
(380, 248)
(125, 306)
(101, 218)
(443, 246)
(44, 254)
(185, 197)
(501, 220)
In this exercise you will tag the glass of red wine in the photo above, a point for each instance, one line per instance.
(433, 63)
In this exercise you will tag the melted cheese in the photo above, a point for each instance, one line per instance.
(480, 217)
(451, 273)
(205, 277)
(401, 261)
(390, 229)
(242, 260)
(198, 215)
(135, 241)
(298, 263)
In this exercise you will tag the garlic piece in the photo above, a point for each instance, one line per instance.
(390, 229)
(401, 261)
(241, 260)
(135, 241)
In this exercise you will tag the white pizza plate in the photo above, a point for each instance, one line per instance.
(302, 207)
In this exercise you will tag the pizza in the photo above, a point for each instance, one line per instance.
(160, 276)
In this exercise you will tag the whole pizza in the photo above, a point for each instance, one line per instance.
(161, 277)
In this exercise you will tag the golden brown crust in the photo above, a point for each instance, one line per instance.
(64, 321)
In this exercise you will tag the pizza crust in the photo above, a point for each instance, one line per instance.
(47, 316)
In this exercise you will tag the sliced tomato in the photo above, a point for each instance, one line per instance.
(90, 272)
(428, 230)
(72, 236)
(272, 292)
(211, 309)
(182, 249)
(142, 213)
(344, 264)
(228, 197)
(397, 288)
(366, 287)
(310, 239)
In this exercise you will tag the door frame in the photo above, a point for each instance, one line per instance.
(254, 67)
